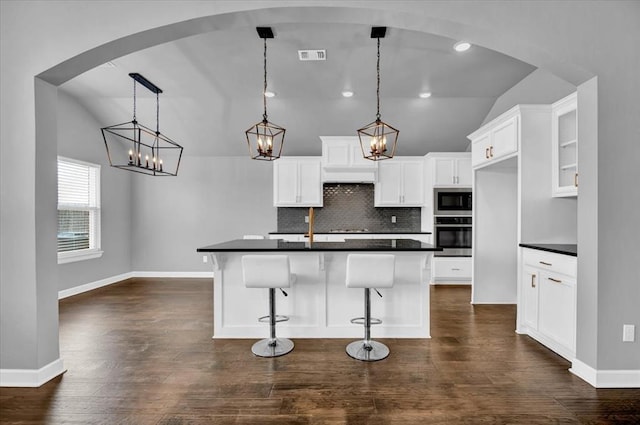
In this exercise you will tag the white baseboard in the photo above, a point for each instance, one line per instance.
(606, 378)
(93, 285)
(118, 278)
(31, 377)
(174, 274)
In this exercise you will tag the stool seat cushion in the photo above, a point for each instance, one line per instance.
(266, 271)
(370, 270)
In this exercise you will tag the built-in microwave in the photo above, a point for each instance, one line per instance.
(452, 201)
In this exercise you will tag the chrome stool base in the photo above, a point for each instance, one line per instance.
(368, 352)
(272, 348)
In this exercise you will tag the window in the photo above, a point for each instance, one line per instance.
(78, 210)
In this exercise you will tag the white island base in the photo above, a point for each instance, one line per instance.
(319, 305)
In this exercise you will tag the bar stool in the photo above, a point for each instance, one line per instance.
(269, 271)
(369, 271)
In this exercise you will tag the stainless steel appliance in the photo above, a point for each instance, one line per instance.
(453, 234)
(452, 201)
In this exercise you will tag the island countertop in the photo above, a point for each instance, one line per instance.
(275, 245)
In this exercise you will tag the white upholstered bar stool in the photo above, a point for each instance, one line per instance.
(271, 272)
(369, 271)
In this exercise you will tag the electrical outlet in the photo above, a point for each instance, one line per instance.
(306, 218)
(628, 333)
(393, 218)
(205, 259)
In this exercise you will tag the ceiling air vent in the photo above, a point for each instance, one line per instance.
(312, 55)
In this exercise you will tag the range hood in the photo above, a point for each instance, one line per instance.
(343, 162)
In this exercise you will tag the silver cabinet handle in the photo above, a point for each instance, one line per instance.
(554, 280)
(455, 269)
(546, 264)
(533, 280)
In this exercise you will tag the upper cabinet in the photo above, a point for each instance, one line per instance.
(343, 161)
(495, 141)
(450, 169)
(296, 182)
(564, 138)
(400, 183)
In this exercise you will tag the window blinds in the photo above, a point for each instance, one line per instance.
(78, 205)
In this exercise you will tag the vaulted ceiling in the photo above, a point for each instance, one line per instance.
(212, 86)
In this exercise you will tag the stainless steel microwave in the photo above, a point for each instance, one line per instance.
(452, 201)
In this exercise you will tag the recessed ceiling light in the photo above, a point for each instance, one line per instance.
(462, 46)
(425, 95)
(347, 93)
(269, 94)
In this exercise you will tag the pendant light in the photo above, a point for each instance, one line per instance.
(265, 139)
(133, 147)
(378, 139)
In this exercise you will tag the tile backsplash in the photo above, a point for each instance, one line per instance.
(349, 206)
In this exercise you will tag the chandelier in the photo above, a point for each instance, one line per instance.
(132, 146)
(378, 139)
(265, 139)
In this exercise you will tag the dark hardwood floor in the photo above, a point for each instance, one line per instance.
(140, 352)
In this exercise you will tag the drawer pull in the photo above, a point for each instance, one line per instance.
(455, 269)
(546, 264)
(533, 280)
(554, 280)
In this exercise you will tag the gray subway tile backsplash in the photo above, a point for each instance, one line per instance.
(349, 206)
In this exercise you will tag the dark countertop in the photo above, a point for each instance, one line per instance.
(270, 245)
(558, 248)
(352, 233)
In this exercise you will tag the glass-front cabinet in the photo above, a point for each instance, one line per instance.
(565, 146)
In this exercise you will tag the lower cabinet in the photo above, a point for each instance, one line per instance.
(454, 270)
(548, 300)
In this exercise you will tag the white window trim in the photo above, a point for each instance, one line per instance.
(86, 254)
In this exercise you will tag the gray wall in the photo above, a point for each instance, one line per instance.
(539, 87)
(79, 137)
(210, 201)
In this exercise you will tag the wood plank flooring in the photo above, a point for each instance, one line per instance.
(140, 352)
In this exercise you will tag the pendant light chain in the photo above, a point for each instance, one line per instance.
(378, 82)
(157, 114)
(134, 100)
(264, 92)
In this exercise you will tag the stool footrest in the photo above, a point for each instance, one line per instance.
(267, 319)
(361, 321)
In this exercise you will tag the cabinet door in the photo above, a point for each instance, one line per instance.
(565, 147)
(443, 171)
(285, 189)
(336, 154)
(309, 183)
(480, 149)
(530, 287)
(557, 308)
(389, 184)
(504, 139)
(464, 171)
(412, 184)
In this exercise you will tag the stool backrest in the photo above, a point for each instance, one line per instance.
(266, 271)
(370, 270)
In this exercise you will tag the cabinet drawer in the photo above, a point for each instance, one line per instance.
(443, 268)
(554, 263)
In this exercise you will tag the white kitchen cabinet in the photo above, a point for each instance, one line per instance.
(342, 160)
(548, 300)
(564, 138)
(400, 183)
(450, 270)
(450, 169)
(297, 182)
(496, 140)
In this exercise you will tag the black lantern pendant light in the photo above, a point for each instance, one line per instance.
(132, 146)
(265, 139)
(378, 139)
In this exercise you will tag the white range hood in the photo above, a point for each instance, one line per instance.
(343, 162)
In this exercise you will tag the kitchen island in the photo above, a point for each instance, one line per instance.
(318, 304)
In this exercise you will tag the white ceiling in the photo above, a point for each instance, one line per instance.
(212, 87)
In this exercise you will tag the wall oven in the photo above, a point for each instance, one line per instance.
(453, 234)
(452, 201)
